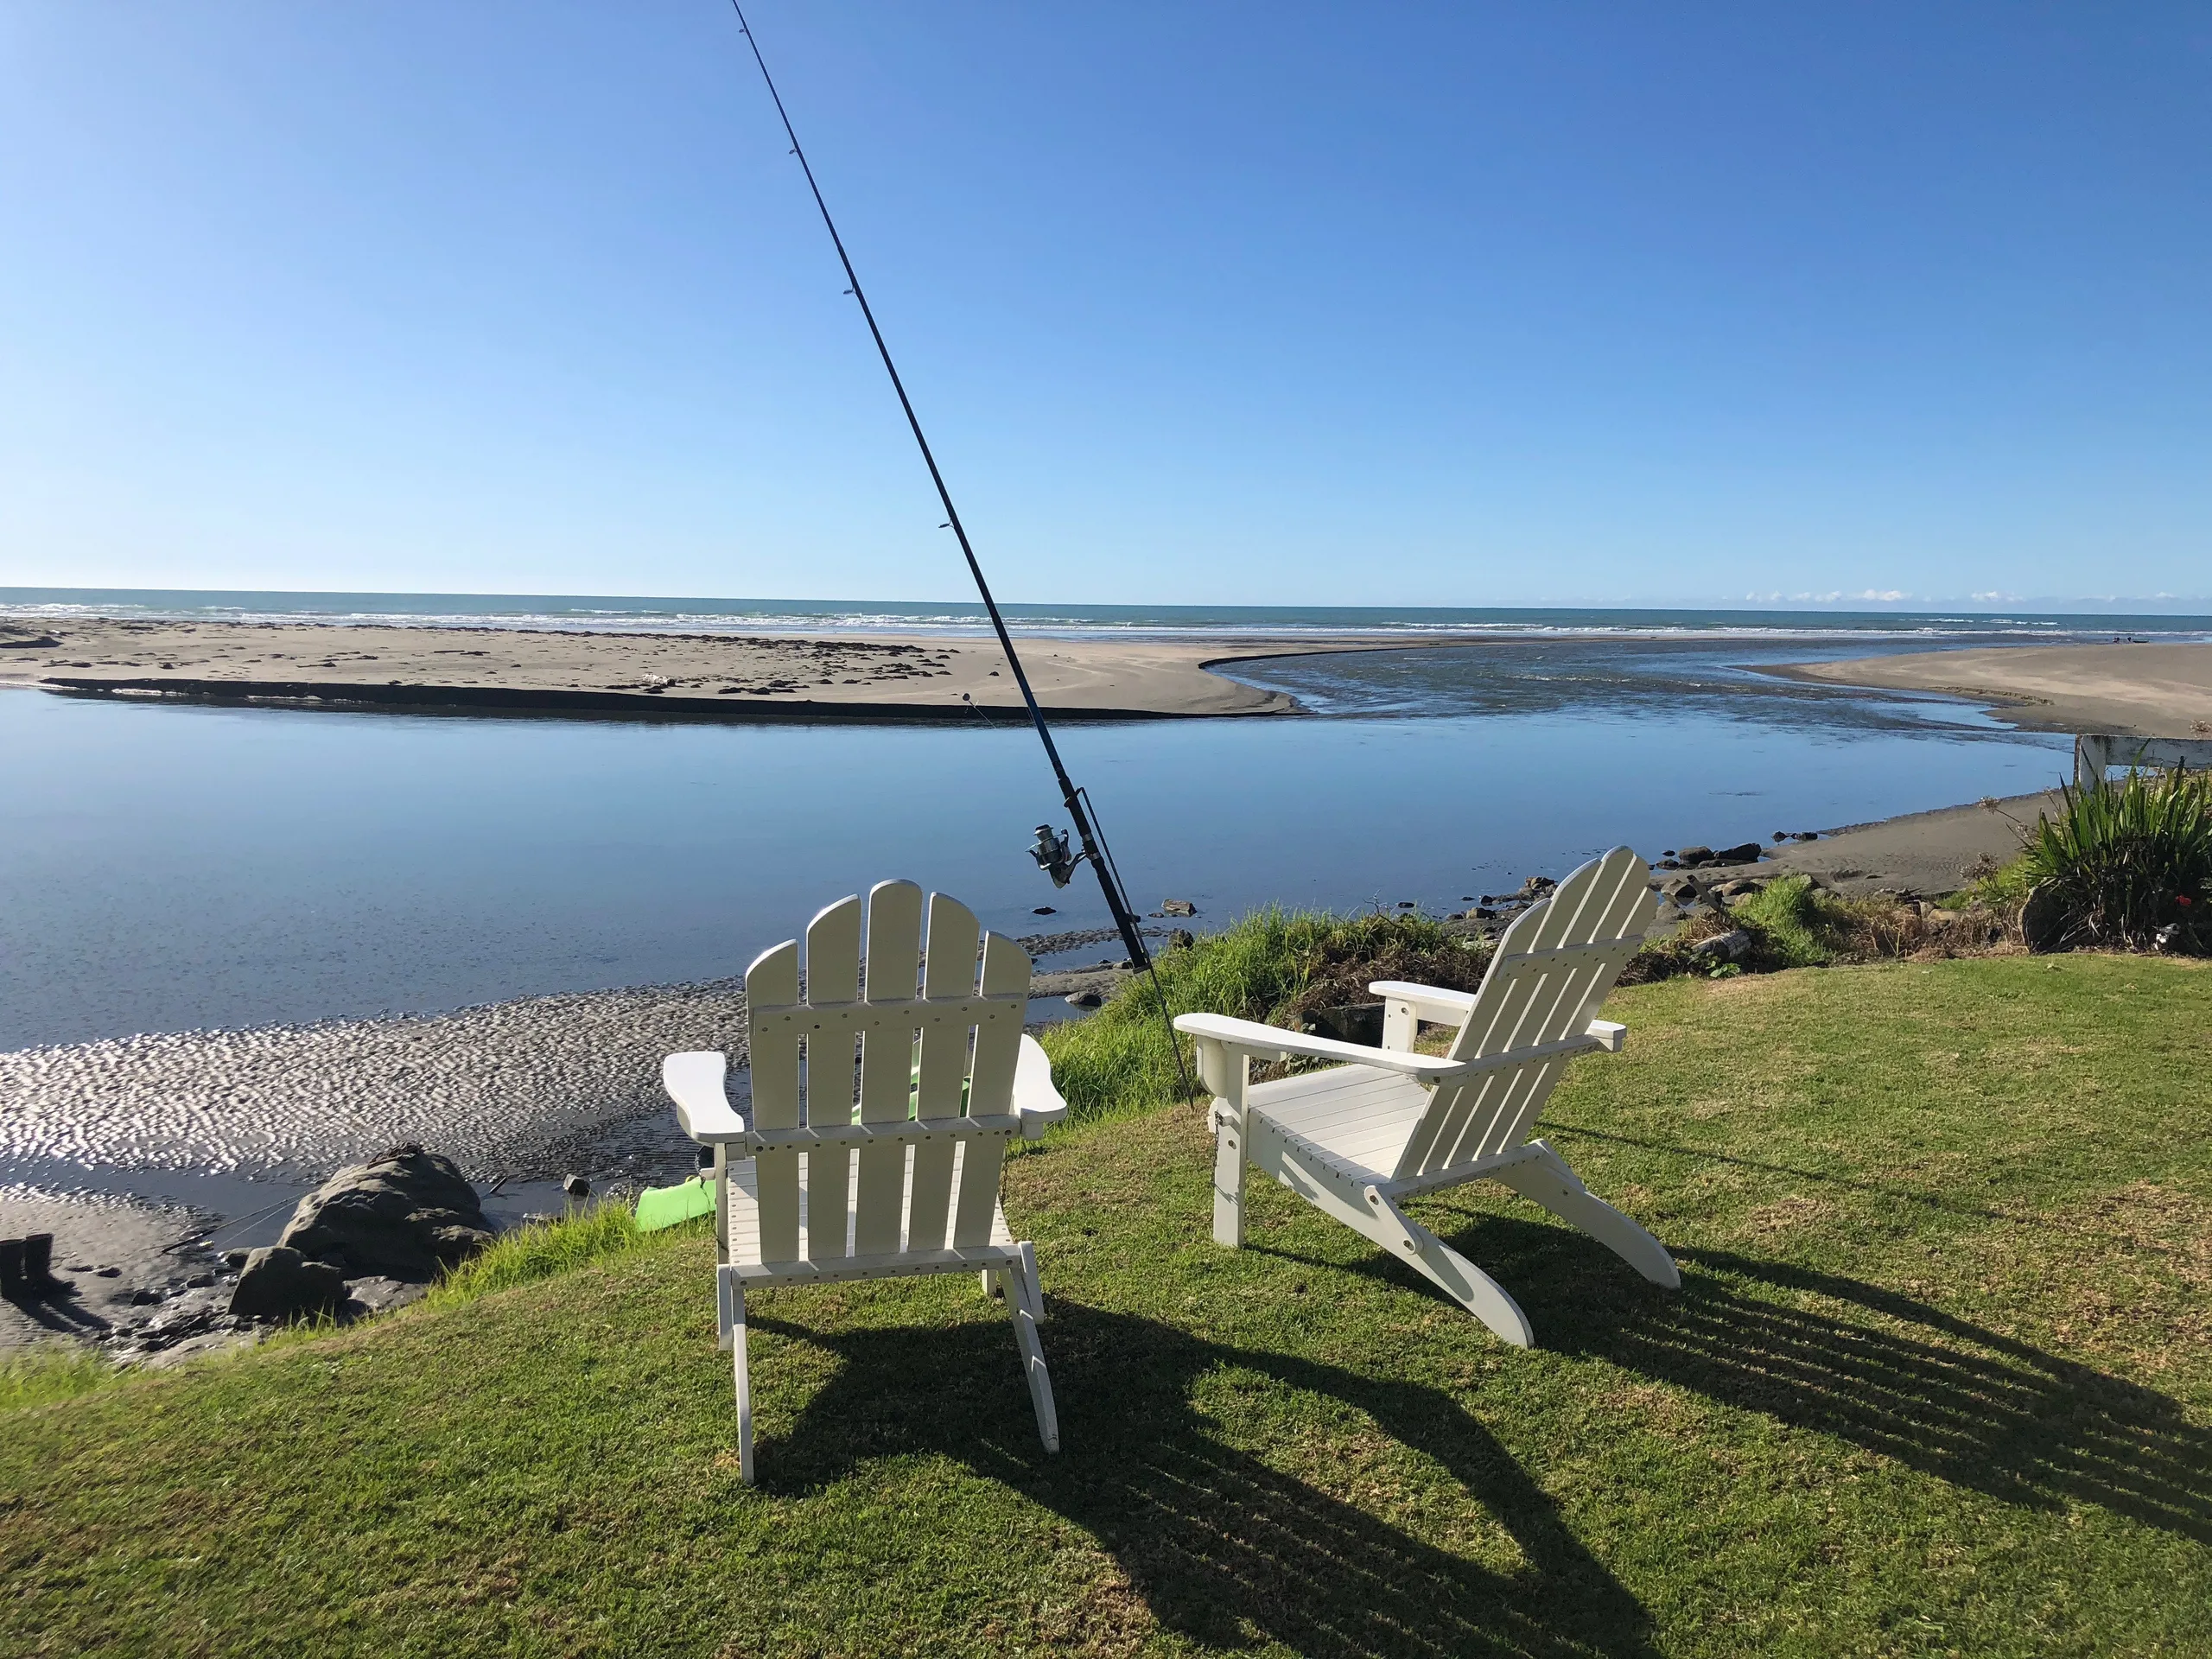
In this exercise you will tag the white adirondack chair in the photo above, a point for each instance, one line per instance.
(909, 1184)
(1358, 1138)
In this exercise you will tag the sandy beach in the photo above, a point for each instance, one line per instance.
(2146, 690)
(715, 676)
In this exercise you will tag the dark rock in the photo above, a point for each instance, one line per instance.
(379, 1295)
(235, 1259)
(1405, 904)
(279, 1283)
(1178, 908)
(575, 1186)
(1670, 864)
(1044, 910)
(108, 1273)
(143, 1297)
(1694, 855)
(1732, 946)
(199, 1281)
(1355, 1022)
(1085, 1000)
(1806, 834)
(1745, 853)
(1683, 889)
(1456, 916)
(2045, 920)
(405, 1214)
(1536, 886)
(1781, 834)
(1181, 939)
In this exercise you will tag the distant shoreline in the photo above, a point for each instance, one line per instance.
(2135, 690)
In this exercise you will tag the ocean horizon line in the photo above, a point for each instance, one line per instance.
(653, 613)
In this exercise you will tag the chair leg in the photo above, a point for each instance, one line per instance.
(725, 1317)
(1018, 1301)
(1451, 1272)
(1546, 1179)
(990, 1278)
(743, 1376)
(1031, 1282)
(1228, 1183)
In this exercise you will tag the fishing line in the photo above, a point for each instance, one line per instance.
(1076, 800)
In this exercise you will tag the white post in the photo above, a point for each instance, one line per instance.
(1229, 1145)
(2091, 756)
(1400, 1025)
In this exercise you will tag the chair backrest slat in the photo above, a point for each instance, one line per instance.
(950, 1051)
(1552, 969)
(894, 948)
(950, 972)
(832, 976)
(770, 987)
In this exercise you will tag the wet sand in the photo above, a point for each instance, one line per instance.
(2130, 691)
(1922, 854)
(522, 1092)
(715, 677)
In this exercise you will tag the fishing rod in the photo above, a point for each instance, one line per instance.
(1051, 851)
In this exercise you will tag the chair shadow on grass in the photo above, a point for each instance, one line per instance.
(1881, 1371)
(1223, 1547)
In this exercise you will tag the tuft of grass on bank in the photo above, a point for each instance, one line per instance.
(52, 1371)
(541, 1249)
(1939, 1379)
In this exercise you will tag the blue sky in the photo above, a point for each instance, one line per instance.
(1212, 302)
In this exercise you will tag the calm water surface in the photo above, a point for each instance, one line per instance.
(167, 867)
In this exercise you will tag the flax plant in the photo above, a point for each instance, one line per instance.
(2132, 861)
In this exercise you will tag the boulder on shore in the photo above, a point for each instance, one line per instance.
(278, 1283)
(406, 1214)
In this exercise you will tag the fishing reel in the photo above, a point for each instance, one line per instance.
(1051, 855)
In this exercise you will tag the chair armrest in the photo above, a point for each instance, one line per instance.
(1253, 1037)
(694, 1082)
(1428, 1001)
(1452, 1007)
(1036, 1101)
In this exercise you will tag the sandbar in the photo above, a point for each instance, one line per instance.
(2146, 690)
(715, 676)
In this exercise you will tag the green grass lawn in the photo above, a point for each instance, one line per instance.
(1936, 1381)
